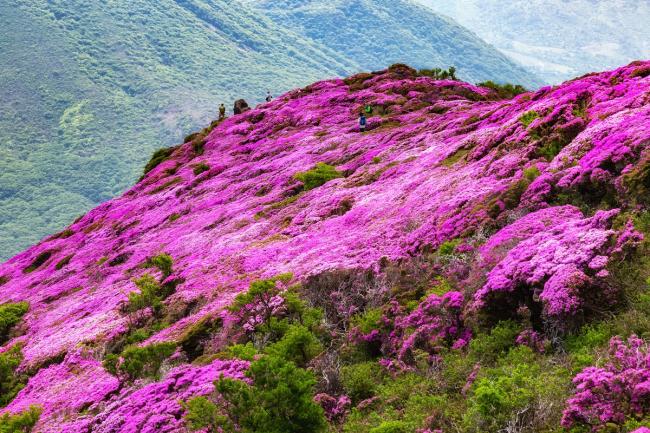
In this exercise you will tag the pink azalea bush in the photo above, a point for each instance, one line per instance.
(612, 393)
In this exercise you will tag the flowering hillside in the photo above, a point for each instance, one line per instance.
(471, 251)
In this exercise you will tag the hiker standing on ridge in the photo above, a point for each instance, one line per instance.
(362, 122)
(222, 112)
(269, 98)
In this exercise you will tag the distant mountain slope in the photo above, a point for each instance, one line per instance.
(90, 89)
(376, 33)
(558, 39)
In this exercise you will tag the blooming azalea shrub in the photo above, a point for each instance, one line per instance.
(434, 323)
(615, 392)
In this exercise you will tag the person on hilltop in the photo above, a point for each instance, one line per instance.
(269, 98)
(362, 122)
(222, 112)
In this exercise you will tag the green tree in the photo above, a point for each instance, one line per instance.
(280, 400)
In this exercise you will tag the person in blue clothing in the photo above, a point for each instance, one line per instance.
(362, 122)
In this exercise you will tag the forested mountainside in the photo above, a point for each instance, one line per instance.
(375, 33)
(89, 89)
(470, 263)
(558, 39)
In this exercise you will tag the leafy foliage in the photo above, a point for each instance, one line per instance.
(138, 362)
(504, 91)
(11, 382)
(10, 315)
(22, 422)
(279, 400)
(317, 176)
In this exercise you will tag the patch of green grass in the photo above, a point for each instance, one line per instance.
(455, 157)
(39, 261)
(317, 176)
(200, 168)
(528, 118)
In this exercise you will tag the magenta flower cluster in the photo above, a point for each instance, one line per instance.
(615, 392)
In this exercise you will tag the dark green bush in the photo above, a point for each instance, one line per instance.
(317, 176)
(504, 91)
(22, 422)
(298, 345)
(200, 168)
(518, 391)
(10, 381)
(150, 295)
(158, 157)
(279, 401)
(63, 262)
(38, 261)
(163, 262)
(361, 380)
(138, 362)
(10, 315)
(201, 414)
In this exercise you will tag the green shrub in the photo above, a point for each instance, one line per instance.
(63, 262)
(317, 176)
(10, 382)
(150, 296)
(10, 315)
(531, 173)
(448, 247)
(551, 149)
(163, 262)
(519, 390)
(391, 427)
(158, 157)
(22, 422)
(280, 399)
(38, 261)
(361, 380)
(528, 118)
(200, 168)
(203, 414)
(488, 347)
(504, 91)
(138, 362)
(246, 352)
(298, 345)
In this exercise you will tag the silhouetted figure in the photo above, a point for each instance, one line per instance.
(269, 98)
(362, 122)
(241, 106)
(222, 112)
